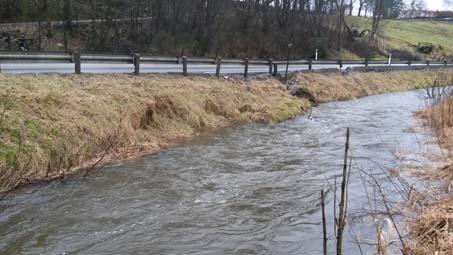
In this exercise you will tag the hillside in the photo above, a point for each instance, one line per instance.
(407, 37)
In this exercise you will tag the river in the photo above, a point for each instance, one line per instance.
(247, 189)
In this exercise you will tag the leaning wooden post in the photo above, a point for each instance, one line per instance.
(324, 224)
(219, 65)
(271, 61)
(184, 65)
(343, 201)
(246, 68)
(77, 62)
(310, 64)
(136, 60)
(275, 70)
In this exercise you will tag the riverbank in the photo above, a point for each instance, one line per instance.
(52, 125)
(328, 87)
(431, 229)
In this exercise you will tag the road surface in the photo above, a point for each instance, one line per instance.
(152, 68)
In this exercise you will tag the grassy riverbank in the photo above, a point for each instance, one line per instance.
(431, 230)
(327, 87)
(52, 125)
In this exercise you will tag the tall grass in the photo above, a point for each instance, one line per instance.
(50, 125)
(431, 230)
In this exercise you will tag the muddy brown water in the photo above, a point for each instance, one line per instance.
(249, 189)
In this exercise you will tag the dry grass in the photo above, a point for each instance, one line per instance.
(335, 86)
(432, 230)
(50, 124)
(440, 118)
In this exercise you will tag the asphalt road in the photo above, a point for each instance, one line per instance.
(149, 68)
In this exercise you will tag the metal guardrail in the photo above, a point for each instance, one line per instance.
(136, 59)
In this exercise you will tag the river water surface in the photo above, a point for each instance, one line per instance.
(248, 189)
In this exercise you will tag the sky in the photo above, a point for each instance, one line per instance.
(436, 5)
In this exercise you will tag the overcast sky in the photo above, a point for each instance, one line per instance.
(436, 5)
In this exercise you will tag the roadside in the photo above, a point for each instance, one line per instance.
(53, 125)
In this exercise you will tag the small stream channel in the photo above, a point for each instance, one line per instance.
(248, 189)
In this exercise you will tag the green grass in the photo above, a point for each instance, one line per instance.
(50, 123)
(407, 34)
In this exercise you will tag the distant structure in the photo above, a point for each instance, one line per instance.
(425, 14)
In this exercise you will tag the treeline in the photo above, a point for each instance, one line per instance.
(230, 28)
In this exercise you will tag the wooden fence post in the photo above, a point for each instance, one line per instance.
(77, 62)
(275, 70)
(271, 63)
(246, 68)
(219, 64)
(324, 224)
(184, 65)
(136, 61)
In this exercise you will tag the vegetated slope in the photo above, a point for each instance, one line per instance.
(326, 87)
(413, 36)
(52, 123)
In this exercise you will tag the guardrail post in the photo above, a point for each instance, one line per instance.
(445, 63)
(275, 70)
(409, 63)
(366, 62)
(340, 62)
(310, 64)
(246, 68)
(271, 61)
(136, 61)
(219, 64)
(184, 65)
(427, 63)
(77, 62)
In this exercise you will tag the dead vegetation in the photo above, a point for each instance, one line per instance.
(432, 229)
(327, 87)
(52, 124)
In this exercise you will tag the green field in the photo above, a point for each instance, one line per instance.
(407, 34)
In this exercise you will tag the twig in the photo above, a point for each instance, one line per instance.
(324, 225)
